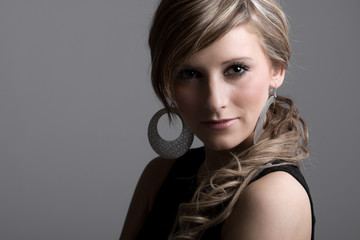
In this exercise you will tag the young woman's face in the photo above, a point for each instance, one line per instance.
(221, 90)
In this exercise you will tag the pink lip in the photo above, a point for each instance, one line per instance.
(220, 124)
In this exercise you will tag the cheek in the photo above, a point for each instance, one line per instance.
(184, 98)
(251, 94)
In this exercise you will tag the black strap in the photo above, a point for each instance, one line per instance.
(179, 186)
(296, 173)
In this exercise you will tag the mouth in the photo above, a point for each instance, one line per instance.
(220, 124)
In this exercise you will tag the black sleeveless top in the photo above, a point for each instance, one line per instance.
(180, 185)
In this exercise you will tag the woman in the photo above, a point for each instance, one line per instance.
(217, 64)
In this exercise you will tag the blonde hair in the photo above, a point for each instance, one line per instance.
(180, 29)
(183, 27)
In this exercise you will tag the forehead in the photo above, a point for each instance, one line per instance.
(239, 42)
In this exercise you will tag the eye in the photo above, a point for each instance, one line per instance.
(236, 70)
(188, 74)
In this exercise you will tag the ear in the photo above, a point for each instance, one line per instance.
(277, 76)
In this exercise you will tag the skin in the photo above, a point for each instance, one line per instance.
(271, 208)
(229, 80)
(220, 92)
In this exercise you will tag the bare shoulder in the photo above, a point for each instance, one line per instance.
(145, 193)
(274, 207)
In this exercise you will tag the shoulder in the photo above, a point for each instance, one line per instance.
(144, 196)
(153, 176)
(275, 206)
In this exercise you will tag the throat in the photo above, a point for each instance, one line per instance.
(214, 160)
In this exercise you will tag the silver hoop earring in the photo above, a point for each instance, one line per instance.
(169, 149)
(259, 128)
(272, 92)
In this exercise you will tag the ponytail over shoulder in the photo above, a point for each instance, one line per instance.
(285, 138)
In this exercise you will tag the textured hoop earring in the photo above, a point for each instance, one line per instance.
(259, 128)
(169, 149)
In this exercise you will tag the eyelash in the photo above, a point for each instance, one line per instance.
(241, 67)
(189, 74)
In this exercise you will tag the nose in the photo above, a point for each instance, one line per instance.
(215, 95)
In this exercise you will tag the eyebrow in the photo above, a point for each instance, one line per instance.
(232, 60)
(241, 59)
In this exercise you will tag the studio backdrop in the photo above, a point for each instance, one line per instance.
(76, 98)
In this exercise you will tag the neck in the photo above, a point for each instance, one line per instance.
(216, 159)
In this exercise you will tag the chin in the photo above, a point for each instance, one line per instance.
(227, 145)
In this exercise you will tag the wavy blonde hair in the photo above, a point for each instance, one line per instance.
(180, 29)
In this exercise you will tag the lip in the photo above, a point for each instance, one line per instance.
(220, 124)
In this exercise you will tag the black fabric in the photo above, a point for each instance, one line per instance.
(179, 186)
(295, 172)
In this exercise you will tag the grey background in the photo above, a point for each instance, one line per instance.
(75, 100)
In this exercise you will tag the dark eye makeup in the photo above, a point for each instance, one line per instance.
(187, 74)
(233, 71)
(236, 70)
